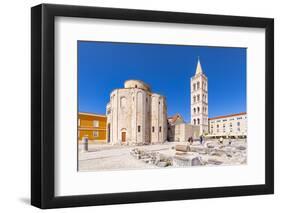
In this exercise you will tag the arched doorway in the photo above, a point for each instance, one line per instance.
(123, 135)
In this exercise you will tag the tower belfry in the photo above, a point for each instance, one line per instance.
(199, 99)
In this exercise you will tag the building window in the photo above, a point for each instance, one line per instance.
(135, 86)
(198, 85)
(218, 126)
(139, 128)
(194, 87)
(96, 134)
(160, 128)
(194, 121)
(96, 123)
(198, 109)
(238, 129)
(194, 110)
(239, 118)
(153, 129)
(230, 124)
(198, 97)
(238, 123)
(198, 121)
(194, 99)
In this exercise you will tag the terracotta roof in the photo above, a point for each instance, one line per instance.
(174, 118)
(225, 116)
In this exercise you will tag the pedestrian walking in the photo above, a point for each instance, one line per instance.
(201, 139)
(221, 140)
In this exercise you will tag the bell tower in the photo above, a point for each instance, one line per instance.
(199, 99)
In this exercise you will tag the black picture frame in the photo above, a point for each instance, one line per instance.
(43, 102)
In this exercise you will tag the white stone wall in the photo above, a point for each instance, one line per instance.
(184, 131)
(132, 111)
(158, 119)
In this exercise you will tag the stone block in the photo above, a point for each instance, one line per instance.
(182, 148)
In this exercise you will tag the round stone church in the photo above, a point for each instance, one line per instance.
(136, 116)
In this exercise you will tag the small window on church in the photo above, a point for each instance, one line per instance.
(198, 97)
(194, 99)
(194, 121)
(198, 109)
(198, 85)
(153, 129)
(194, 87)
(139, 128)
(198, 121)
(160, 128)
(194, 110)
(135, 86)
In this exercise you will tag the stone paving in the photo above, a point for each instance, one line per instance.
(170, 154)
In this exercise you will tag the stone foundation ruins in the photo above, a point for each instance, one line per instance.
(185, 155)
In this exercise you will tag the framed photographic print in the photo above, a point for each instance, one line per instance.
(139, 106)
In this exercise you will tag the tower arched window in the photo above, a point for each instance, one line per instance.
(194, 87)
(198, 97)
(198, 109)
(194, 121)
(194, 99)
(198, 85)
(198, 121)
(194, 110)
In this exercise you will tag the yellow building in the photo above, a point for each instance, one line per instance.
(93, 126)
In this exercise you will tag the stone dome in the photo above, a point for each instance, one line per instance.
(136, 84)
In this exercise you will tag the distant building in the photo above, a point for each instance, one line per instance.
(92, 126)
(199, 99)
(234, 125)
(135, 115)
(179, 131)
(184, 131)
(172, 122)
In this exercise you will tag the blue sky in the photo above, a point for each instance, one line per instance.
(105, 66)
